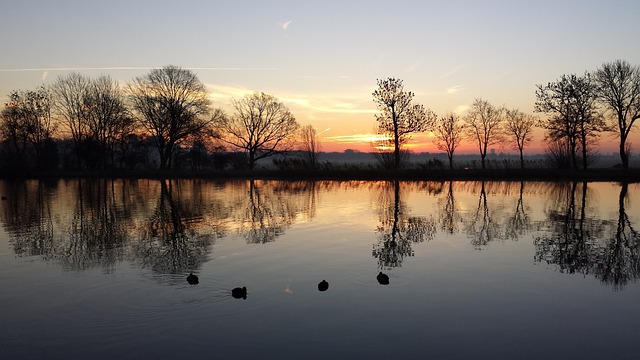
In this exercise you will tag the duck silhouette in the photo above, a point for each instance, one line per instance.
(192, 279)
(323, 285)
(383, 279)
(239, 293)
(4, 197)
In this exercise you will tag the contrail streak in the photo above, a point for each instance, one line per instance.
(135, 68)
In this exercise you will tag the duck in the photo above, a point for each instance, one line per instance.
(238, 293)
(383, 279)
(323, 285)
(192, 279)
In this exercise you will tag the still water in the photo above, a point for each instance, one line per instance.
(477, 270)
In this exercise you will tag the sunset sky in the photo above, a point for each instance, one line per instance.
(322, 58)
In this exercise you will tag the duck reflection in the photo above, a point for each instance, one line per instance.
(398, 230)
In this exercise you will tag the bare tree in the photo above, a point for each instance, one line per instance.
(448, 131)
(571, 102)
(520, 127)
(72, 108)
(26, 121)
(485, 126)
(618, 88)
(171, 104)
(109, 120)
(399, 117)
(262, 126)
(310, 144)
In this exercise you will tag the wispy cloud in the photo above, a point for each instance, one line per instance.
(285, 25)
(451, 72)
(454, 89)
(337, 103)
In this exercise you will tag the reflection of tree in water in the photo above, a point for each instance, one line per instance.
(77, 223)
(172, 242)
(519, 223)
(449, 215)
(397, 230)
(97, 233)
(482, 227)
(27, 217)
(619, 263)
(270, 208)
(577, 242)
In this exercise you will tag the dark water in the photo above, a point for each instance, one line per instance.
(97, 269)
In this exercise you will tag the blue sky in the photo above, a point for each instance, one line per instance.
(322, 58)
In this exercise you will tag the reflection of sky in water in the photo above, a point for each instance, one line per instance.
(99, 270)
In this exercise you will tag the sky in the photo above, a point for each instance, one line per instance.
(322, 58)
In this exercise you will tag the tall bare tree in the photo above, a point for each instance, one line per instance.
(109, 120)
(571, 103)
(310, 144)
(26, 121)
(448, 131)
(262, 126)
(618, 88)
(519, 126)
(72, 108)
(399, 117)
(171, 104)
(484, 124)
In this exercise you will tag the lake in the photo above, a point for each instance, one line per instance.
(97, 269)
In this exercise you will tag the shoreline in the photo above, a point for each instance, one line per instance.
(614, 175)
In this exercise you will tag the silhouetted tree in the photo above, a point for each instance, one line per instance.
(448, 135)
(520, 127)
(310, 144)
(72, 108)
(618, 88)
(262, 126)
(171, 104)
(109, 120)
(25, 124)
(399, 117)
(485, 126)
(571, 103)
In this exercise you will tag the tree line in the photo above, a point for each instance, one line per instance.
(79, 122)
(579, 109)
(103, 125)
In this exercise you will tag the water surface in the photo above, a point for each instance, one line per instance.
(477, 270)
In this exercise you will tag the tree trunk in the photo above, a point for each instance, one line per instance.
(252, 156)
(624, 157)
(450, 162)
(521, 160)
(584, 152)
